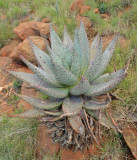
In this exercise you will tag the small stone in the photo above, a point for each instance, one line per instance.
(44, 143)
(2, 17)
(76, 5)
(87, 23)
(104, 16)
(6, 109)
(25, 50)
(70, 155)
(7, 49)
(46, 20)
(26, 29)
(96, 10)
(84, 9)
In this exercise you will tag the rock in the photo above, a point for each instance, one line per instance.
(87, 23)
(96, 10)
(84, 9)
(31, 29)
(7, 49)
(104, 16)
(25, 50)
(46, 20)
(70, 155)
(125, 10)
(76, 5)
(5, 82)
(5, 63)
(2, 17)
(44, 143)
(6, 109)
(26, 90)
(123, 43)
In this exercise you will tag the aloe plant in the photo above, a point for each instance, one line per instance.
(71, 76)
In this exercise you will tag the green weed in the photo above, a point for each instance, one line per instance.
(17, 139)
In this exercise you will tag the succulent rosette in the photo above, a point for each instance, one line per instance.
(71, 75)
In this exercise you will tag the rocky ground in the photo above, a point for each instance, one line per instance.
(38, 32)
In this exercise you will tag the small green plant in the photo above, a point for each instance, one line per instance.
(13, 99)
(103, 8)
(71, 76)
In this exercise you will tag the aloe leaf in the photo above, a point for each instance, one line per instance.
(46, 76)
(39, 84)
(62, 74)
(94, 64)
(67, 41)
(78, 49)
(42, 104)
(32, 113)
(43, 59)
(107, 77)
(106, 56)
(93, 105)
(56, 44)
(72, 105)
(94, 48)
(93, 113)
(81, 87)
(53, 113)
(84, 44)
(68, 57)
(75, 67)
(98, 89)
(76, 124)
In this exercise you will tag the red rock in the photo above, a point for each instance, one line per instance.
(6, 50)
(126, 9)
(104, 16)
(87, 23)
(70, 155)
(76, 5)
(25, 50)
(46, 20)
(5, 63)
(6, 109)
(2, 17)
(44, 143)
(26, 90)
(31, 29)
(84, 9)
(96, 10)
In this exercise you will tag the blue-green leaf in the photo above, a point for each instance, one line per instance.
(98, 89)
(42, 104)
(43, 59)
(62, 74)
(75, 67)
(94, 63)
(46, 76)
(56, 44)
(84, 44)
(93, 105)
(106, 56)
(78, 49)
(67, 41)
(76, 123)
(39, 84)
(72, 105)
(32, 113)
(81, 87)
